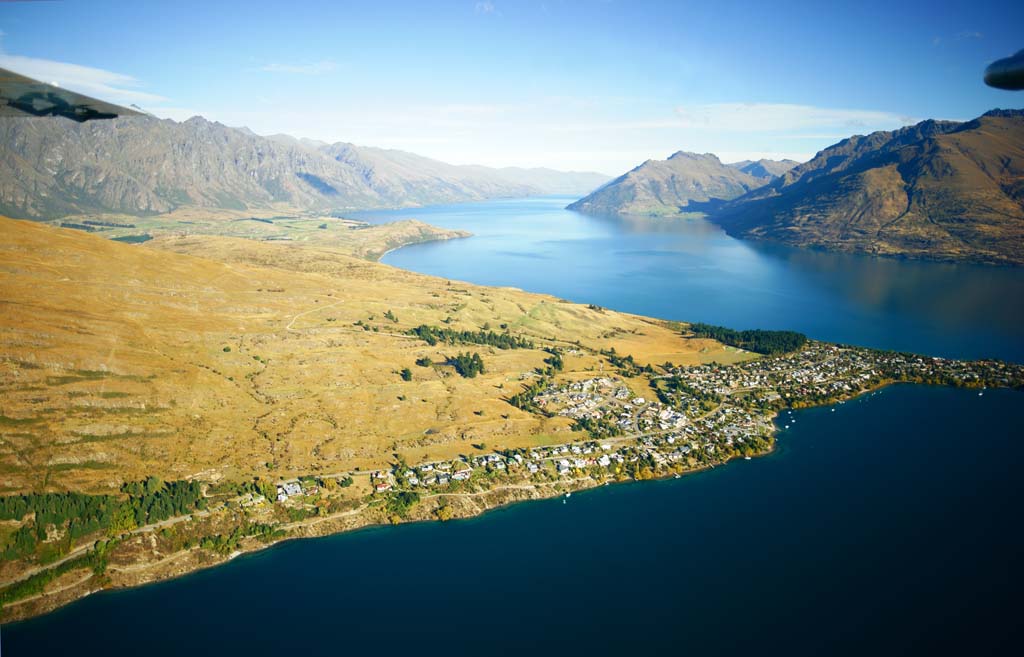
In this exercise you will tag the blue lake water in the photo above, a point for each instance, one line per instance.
(883, 526)
(691, 270)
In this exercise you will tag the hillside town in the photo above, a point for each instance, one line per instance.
(691, 417)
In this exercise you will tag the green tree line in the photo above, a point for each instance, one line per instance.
(432, 335)
(151, 500)
(760, 341)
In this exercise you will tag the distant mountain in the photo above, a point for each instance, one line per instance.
(766, 169)
(142, 165)
(422, 180)
(570, 183)
(938, 189)
(685, 182)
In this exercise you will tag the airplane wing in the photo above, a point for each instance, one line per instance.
(22, 96)
(1007, 73)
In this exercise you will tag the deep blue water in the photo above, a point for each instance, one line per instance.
(889, 525)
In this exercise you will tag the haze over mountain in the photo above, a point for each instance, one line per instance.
(144, 165)
(938, 189)
(766, 169)
(685, 182)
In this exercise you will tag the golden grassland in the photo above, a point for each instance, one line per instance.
(210, 357)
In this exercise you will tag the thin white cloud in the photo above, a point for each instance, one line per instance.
(484, 7)
(780, 117)
(315, 68)
(103, 84)
(968, 35)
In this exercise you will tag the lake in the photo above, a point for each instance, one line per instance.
(884, 525)
(690, 270)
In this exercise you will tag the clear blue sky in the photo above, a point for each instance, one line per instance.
(594, 84)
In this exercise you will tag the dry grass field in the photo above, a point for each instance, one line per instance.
(212, 356)
(279, 224)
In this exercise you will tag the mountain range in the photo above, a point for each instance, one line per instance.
(143, 165)
(937, 189)
(684, 183)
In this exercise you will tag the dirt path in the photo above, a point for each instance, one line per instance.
(320, 519)
(150, 564)
(310, 312)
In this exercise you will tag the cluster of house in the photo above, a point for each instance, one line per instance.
(992, 372)
(605, 397)
(565, 467)
(666, 433)
(580, 398)
(427, 474)
(827, 370)
(250, 500)
(294, 489)
(642, 415)
(729, 426)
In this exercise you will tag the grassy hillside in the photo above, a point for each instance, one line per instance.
(220, 357)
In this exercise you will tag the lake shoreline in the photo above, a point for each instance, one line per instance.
(198, 559)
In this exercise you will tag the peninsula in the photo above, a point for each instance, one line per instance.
(219, 393)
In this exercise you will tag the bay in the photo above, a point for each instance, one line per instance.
(690, 270)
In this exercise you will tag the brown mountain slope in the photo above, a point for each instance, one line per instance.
(225, 357)
(684, 183)
(938, 190)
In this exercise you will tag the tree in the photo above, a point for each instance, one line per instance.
(153, 485)
(406, 374)
(399, 504)
(124, 520)
(467, 365)
(554, 360)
